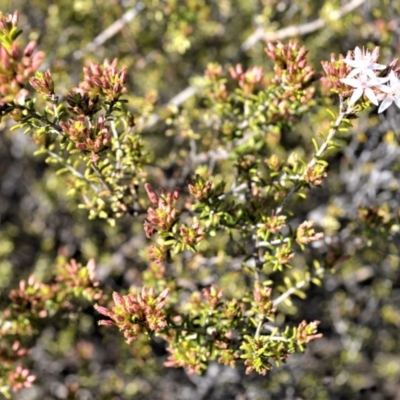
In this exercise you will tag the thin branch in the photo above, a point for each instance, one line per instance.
(259, 327)
(118, 152)
(298, 30)
(276, 242)
(177, 100)
(296, 287)
(234, 190)
(72, 169)
(111, 31)
(317, 156)
(106, 185)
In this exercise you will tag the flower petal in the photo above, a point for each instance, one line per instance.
(394, 80)
(353, 63)
(355, 96)
(385, 104)
(351, 82)
(353, 73)
(377, 66)
(370, 73)
(386, 89)
(381, 80)
(369, 93)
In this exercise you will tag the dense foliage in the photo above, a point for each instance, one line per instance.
(162, 245)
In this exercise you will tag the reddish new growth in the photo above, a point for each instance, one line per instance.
(335, 70)
(249, 79)
(200, 188)
(306, 234)
(214, 73)
(20, 378)
(135, 314)
(292, 78)
(31, 297)
(16, 65)
(315, 175)
(43, 83)
(105, 80)
(92, 137)
(158, 253)
(9, 355)
(164, 215)
(80, 281)
(263, 302)
(82, 103)
(306, 333)
(37, 299)
(212, 296)
(291, 65)
(192, 235)
(272, 224)
(284, 254)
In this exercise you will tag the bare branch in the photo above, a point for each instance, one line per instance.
(314, 160)
(296, 287)
(111, 31)
(292, 31)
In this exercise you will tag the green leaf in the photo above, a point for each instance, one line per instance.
(315, 143)
(14, 33)
(62, 171)
(331, 113)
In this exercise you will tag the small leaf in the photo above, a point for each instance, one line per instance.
(62, 171)
(315, 143)
(331, 113)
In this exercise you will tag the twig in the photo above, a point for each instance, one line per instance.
(106, 185)
(72, 169)
(299, 30)
(273, 242)
(311, 164)
(111, 31)
(177, 100)
(296, 287)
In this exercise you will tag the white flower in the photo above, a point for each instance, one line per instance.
(363, 84)
(393, 92)
(364, 62)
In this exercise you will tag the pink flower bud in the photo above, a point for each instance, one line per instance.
(30, 48)
(151, 193)
(175, 194)
(14, 19)
(107, 322)
(122, 75)
(118, 299)
(163, 295)
(104, 311)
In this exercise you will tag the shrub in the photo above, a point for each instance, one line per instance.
(208, 198)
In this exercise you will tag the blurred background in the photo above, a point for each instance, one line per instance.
(166, 45)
